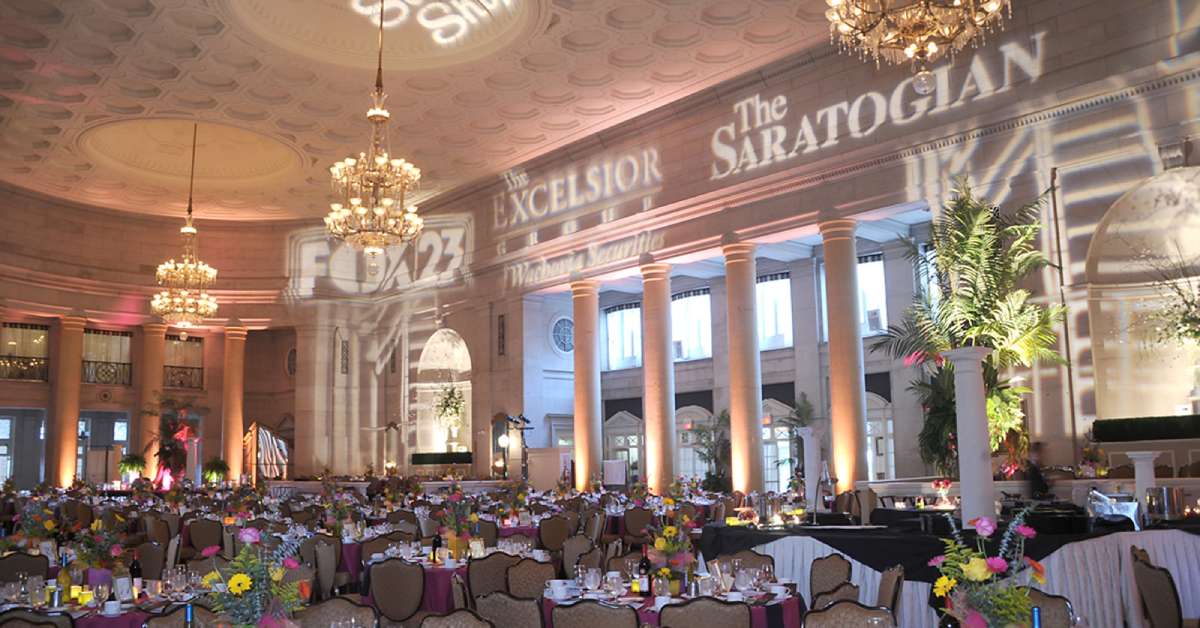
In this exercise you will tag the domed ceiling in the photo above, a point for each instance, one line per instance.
(97, 98)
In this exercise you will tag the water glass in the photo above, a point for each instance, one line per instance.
(592, 578)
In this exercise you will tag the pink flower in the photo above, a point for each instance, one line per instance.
(1026, 531)
(984, 526)
(210, 551)
(974, 620)
(116, 551)
(249, 536)
(937, 561)
(456, 497)
(997, 564)
(916, 357)
(291, 563)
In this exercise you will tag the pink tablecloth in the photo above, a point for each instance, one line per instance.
(759, 616)
(132, 619)
(529, 531)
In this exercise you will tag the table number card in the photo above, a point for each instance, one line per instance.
(123, 589)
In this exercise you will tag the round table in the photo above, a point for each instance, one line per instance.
(785, 614)
(529, 531)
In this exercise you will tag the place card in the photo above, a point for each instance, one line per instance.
(123, 589)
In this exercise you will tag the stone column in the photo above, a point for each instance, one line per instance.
(62, 437)
(745, 370)
(585, 299)
(1143, 477)
(847, 391)
(976, 486)
(658, 372)
(150, 385)
(232, 393)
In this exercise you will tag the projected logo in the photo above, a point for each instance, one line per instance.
(447, 23)
(591, 257)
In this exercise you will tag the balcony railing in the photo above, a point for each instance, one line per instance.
(24, 367)
(183, 377)
(111, 373)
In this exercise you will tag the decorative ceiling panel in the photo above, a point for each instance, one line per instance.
(95, 95)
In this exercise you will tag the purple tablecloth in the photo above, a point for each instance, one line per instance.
(351, 560)
(529, 531)
(131, 619)
(439, 591)
(788, 617)
(98, 576)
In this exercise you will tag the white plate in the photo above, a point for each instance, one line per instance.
(116, 614)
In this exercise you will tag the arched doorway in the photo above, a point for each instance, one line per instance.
(623, 441)
(688, 418)
(881, 439)
(443, 379)
(1152, 227)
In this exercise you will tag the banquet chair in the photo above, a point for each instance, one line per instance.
(847, 614)
(327, 559)
(593, 524)
(429, 527)
(717, 512)
(572, 517)
(173, 520)
(539, 509)
(844, 591)
(308, 546)
(591, 560)
(827, 573)
(847, 502)
(1121, 472)
(705, 611)
(172, 552)
(152, 557)
(158, 530)
(336, 609)
(490, 574)
(1056, 609)
(505, 610)
(572, 550)
(593, 614)
(1191, 470)
(397, 588)
(25, 618)
(175, 618)
(739, 500)
(1160, 598)
(458, 592)
(891, 583)
(262, 525)
(204, 533)
(461, 618)
(527, 579)
(750, 559)
(553, 532)
(398, 516)
(617, 563)
(377, 545)
(204, 565)
(489, 532)
(636, 522)
(21, 562)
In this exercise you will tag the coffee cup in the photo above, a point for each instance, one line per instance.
(451, 563)
(734, 596)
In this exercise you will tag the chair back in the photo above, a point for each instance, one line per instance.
(397, 588)
(489, 532)
(617, 563)
(572, 550)
(750, 559)
(205, 533)
(572, 517)
(553, 532)
(844, 591)
(336, 609)
(489, 574)
(637, 520)
(706, 611)
(593, 524)
(527, 579)
(461, 618)
(177, 618)
(158, 530)
(593, 614)
(1121, 472)
(1056, 609)
(173, 523)
(826, 573)
(203, 565)
(327, 559)
(503, 609)
(26, 618)
(1160, 598)
(172, 552)
(891, 583)
(847, 614)
(593, 559)
(30, 564)
(152, 557)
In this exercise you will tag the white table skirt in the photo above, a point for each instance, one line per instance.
(1096, 575)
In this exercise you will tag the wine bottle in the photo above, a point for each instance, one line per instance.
(135, 571)
(644, 571)
(434, 546)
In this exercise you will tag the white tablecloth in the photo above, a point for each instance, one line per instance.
(1096, 575)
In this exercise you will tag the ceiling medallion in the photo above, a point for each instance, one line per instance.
(370, 212)
(184, 300)
(913, 31)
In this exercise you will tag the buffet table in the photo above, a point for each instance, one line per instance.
(1093, 571)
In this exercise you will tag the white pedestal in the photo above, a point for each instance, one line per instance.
(974, 449)
(1143, 476)
(812, 465)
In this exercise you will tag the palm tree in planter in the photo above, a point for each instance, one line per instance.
(979, 258)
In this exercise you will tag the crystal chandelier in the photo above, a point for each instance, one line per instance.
(184, 300)
(370, 212)
(912, 31)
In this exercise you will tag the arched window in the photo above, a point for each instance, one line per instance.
(687, 418)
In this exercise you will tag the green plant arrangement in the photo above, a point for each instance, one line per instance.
(215, 471)
(131, 463)
(712, 446)
(980, 258)
(254, 591)
(450, 403)
(800, 417)
(176, 426)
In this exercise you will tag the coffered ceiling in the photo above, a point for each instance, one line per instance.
(97, 97)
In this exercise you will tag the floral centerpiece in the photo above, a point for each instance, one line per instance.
(638, 494)
(982, 590)
(1092, 461)
(672, 553)
(941, 486)
(176, 496)
(35, 523)
(449, 408)
(457, 519)
(99, 547)
(254, 591)
(339, 509)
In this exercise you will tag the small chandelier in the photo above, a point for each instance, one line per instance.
(370, 212)
(184, 300)
(912, 31)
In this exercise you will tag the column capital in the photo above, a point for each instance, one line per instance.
(584, 287)
(655, 271)
(74, 321)
(967, 358)
(837, 228)
(738, 251)
(235, 330)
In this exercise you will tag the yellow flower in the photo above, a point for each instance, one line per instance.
(474, 518)
(49, 524)
(670, 532)
(667, 501)
(96, 525)
(977, 569)
(660, 544)
(943, 586)
(210, 579)
(239, 583)
(276, 574)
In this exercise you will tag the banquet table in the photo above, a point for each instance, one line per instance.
(131, 619)
(785, 614)
(529, 531)
(1094, 571)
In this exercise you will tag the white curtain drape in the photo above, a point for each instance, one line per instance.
(105, 346)
(188, 352)
(24, 340)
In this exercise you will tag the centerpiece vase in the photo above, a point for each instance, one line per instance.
(457, 545)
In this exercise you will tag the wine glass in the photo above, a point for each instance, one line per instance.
(631, 568)
(102, 592)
